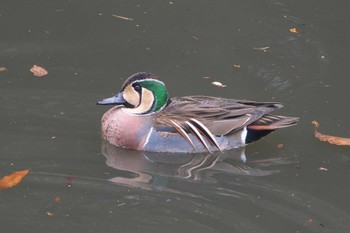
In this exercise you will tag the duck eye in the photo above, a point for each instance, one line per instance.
(137, 87)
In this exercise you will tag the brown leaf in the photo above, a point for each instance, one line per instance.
(13, 179)
(50, 213)
(57, 199)
(294, 30)
(335, 140)
(38, 71)
(340, 141)
(315, 123)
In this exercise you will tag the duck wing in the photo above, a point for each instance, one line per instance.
(207, 117)
(220, 116)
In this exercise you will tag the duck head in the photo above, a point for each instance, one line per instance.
(141, 94)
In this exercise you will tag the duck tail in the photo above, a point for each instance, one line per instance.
(272, 122)
(267, 124)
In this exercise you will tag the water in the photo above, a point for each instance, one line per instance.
(77, 183)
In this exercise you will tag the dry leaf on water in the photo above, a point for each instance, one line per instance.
(3, 68)
(38, 71)
(294, 30)
(237, 66)
(13, 179)
(50, 214)
(123, 17)
(340, 141)
(262, 48)
(308, 222)
(335, 140)
(218, 84)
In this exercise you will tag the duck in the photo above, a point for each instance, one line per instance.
(145, 118)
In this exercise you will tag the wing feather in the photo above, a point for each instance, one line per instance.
(205, 116)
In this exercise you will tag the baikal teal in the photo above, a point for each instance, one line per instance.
(145, 118)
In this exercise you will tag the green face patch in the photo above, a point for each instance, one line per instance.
(159, 91)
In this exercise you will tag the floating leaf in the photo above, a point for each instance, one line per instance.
(315, 123)
(340, 141)
(218, 84)
(194, 37)
(2, 68)
(262, 48)
(237, 66)
(50, 213)
(294, 30)
(38, 71)
(12, 179)
(122, 17)
(335, 140)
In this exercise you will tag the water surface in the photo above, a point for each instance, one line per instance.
(77, 183)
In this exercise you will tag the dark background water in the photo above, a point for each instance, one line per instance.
(51, 124)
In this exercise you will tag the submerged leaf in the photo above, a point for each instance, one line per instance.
(57, 199)
(13, 179)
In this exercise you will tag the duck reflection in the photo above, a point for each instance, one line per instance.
(152, 170)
